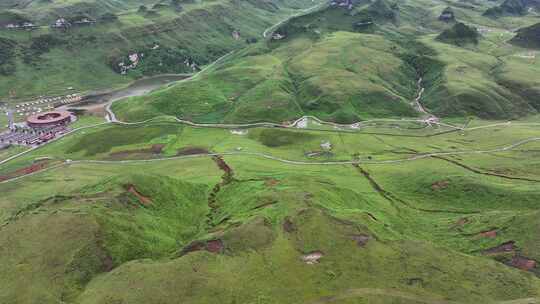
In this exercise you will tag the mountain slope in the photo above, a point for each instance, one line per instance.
(48, 61)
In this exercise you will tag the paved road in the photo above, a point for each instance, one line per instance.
(287, 161)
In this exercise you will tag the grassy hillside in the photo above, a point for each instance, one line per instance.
(392, 210)
(528, 37)
(195, 229)
(344, 67)
(167, 39)
(330, 78)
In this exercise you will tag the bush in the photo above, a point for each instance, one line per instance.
(278, 138)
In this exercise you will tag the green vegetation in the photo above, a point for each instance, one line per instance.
(49, 60)
(111, 137)
(347, 66)
(460, 35)
(410, 230)
(510, 7)
(403, 209)
(528, 37)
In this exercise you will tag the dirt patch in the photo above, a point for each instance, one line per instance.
(488, 234)
(223, 165)
(288, 225)
(143, 199)
(440, 185)
(361, 239)
(213, 246)
(191, 151)
(415, 282)
(504, 247)
(35, 167)
(226, 179)
(271, 182)
(460, 223)
(522, 263)
(312, 257)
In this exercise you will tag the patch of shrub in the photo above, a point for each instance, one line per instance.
(278, 138)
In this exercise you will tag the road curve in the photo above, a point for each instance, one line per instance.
(287, 161)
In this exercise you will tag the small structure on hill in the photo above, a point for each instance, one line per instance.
(342, 3)
(277, 36)
(60, 23)
(23, 25)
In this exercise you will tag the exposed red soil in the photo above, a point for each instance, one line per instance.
(192, 247)
(223, 165)
(461, 222)
(35, 167)
(523, 263)
(271, 182)
(191, 151)
(361, 239)
(504, 247)
(488, 234)
(213, 246)
(440, 185)
(226, 179)
(143, 199)
(288, 225)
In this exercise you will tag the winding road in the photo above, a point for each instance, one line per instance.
(300, 123)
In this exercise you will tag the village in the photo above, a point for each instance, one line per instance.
(36, 122)
(60, 23)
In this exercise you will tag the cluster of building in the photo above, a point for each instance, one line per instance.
(58, 23)
(342, 3)
(23, 25)
(37, 106)
(37, 129)
(64, 23)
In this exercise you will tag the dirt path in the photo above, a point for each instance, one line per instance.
(393, 199)
(475, 170)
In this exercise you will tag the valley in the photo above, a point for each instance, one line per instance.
(354, 152)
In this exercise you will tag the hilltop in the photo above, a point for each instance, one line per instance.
(528, 37)
(512, 8)
(459, 34)
(102, 44)
(300, 152)
(300, 72)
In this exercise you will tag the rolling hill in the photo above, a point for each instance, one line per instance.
(355, 152)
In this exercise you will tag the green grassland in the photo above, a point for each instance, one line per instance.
(328, 67)
(119, 247)
(394, 210)
(330, 78)
(47, 61)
